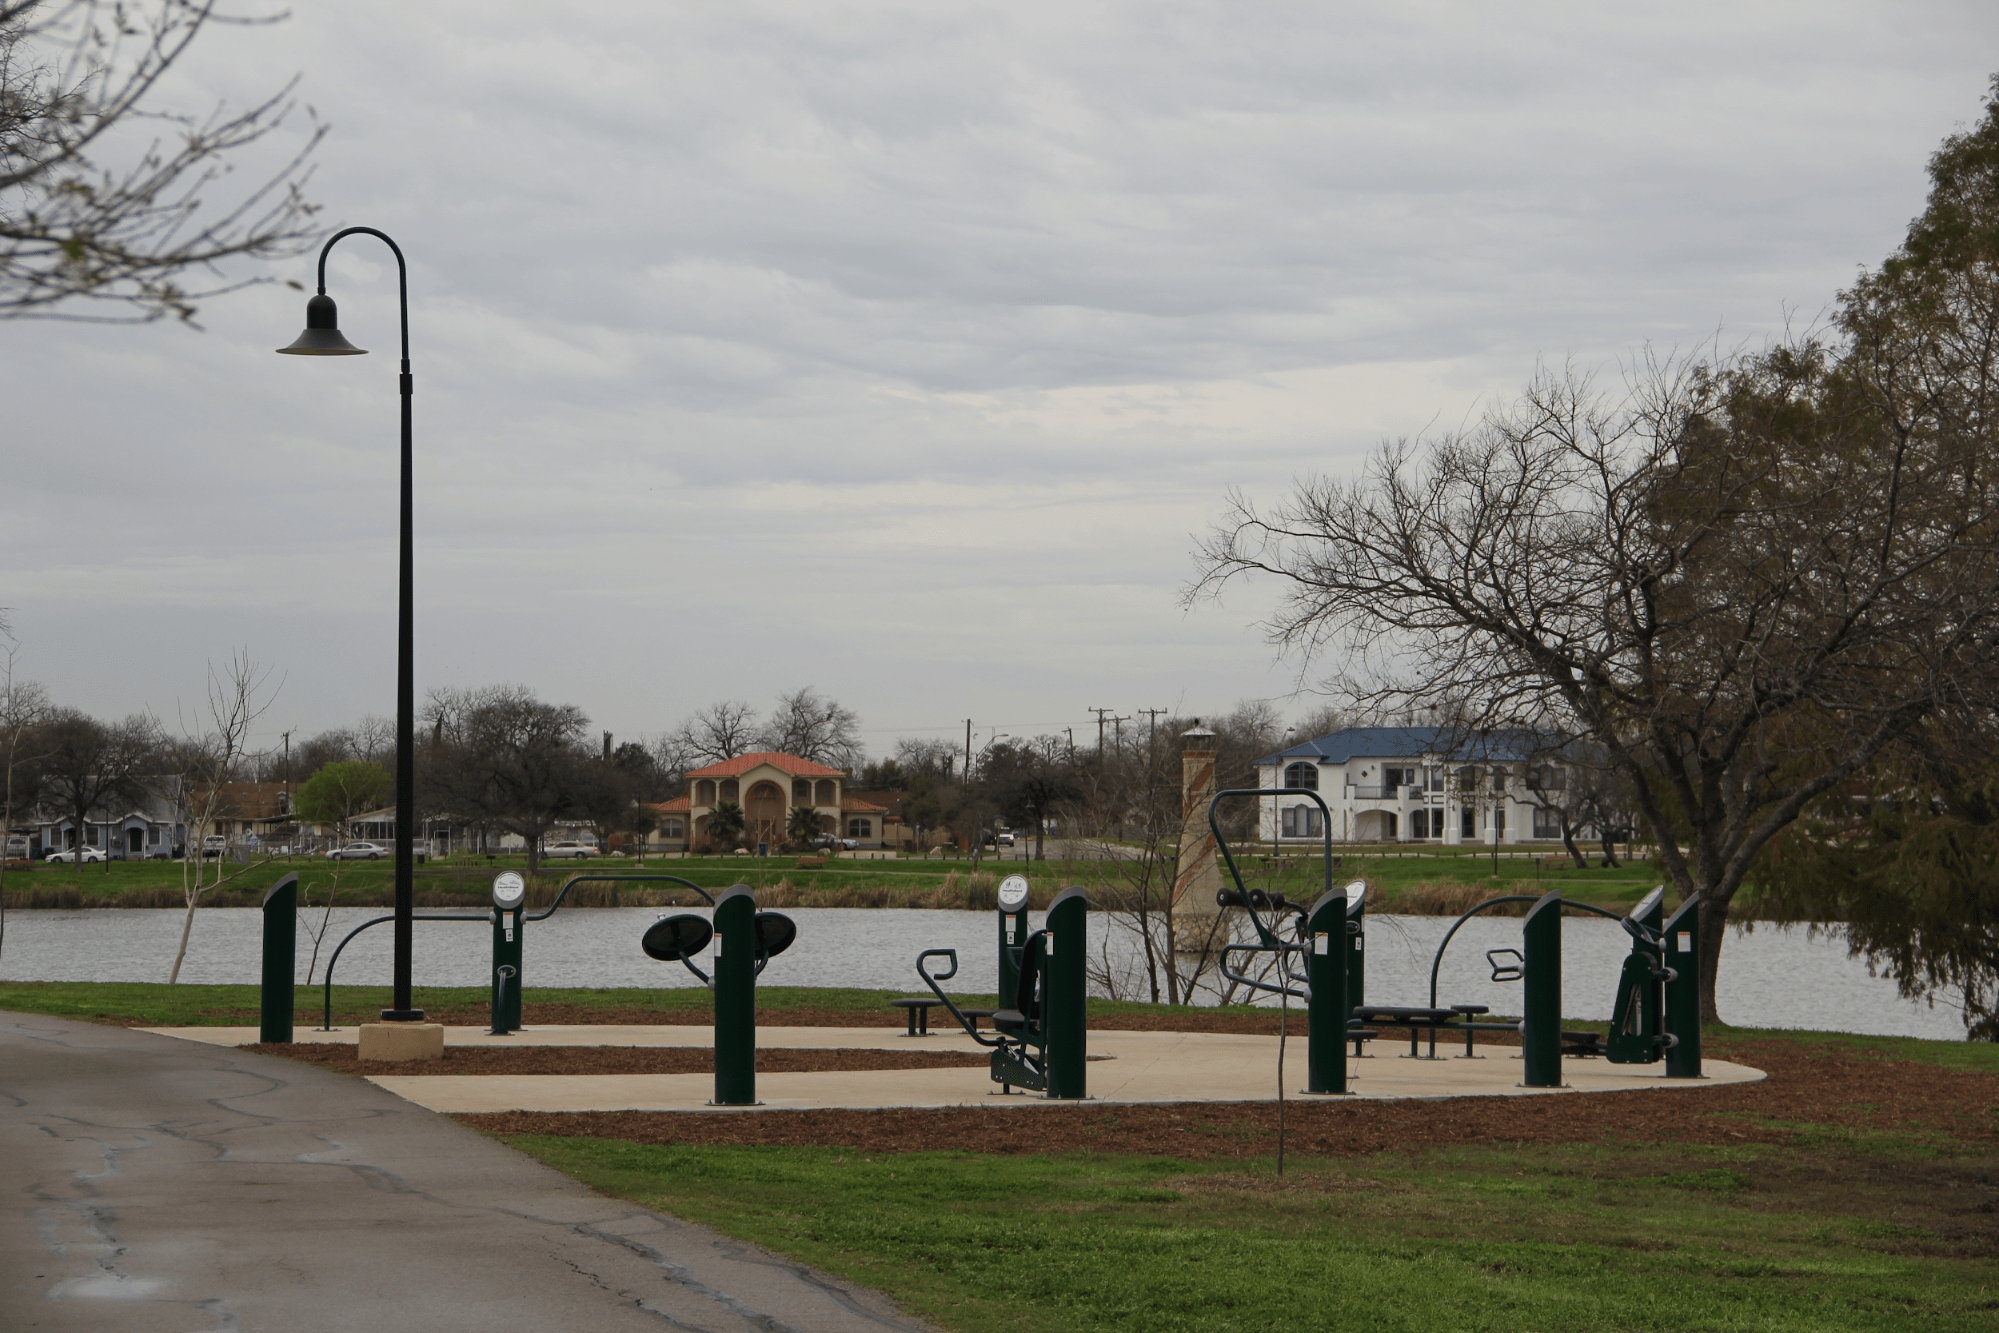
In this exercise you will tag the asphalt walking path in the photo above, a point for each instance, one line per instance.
(153, 1185)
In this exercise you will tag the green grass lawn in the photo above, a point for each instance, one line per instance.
(1575, 1237)
(464, 880)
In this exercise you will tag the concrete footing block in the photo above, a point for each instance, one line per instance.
(402, 1041)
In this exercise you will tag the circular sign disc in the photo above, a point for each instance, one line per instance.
(509, 889)
(1013, 892)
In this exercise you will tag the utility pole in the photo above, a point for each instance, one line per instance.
(968, 749)
(1117, 731)
(1152, 716)
(1100, 726)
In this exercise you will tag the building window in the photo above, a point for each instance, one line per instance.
(1548, 778)
(1302, 777)
(1304, 821)
(1392, 778)
(1419, 824)
(824, 794)
(1547, 823)
(153, 835)
(1468, 823)
(1436, 777)
(729, 789)
(704, 793)
(801, 792)
(670, 829)
(1467, 778)
(860, 828)
(1499, 780)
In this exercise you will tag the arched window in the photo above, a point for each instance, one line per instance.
(823, 794)
(1467, 778)
(1304, 821)
(704, 792)
(1302, 776)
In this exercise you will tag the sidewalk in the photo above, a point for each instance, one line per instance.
(155, 1185)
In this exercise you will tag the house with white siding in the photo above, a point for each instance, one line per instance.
(1413, 784)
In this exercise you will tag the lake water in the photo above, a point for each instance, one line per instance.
(1770, 977)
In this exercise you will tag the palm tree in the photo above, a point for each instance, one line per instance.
(725, 823)
(804, 825)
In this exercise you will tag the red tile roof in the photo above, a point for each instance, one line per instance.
(743, 763)
(854, 805)
(679, 805)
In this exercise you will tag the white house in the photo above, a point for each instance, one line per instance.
(1410, 784)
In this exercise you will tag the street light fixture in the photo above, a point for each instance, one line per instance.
(322, 337)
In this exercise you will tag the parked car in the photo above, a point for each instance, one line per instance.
(214, 845)
(556, 851)
(1004, 838)
(836, 844)
(359, 851)
(89, 855)
(17, 848)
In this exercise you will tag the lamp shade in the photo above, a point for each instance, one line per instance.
(322, 335)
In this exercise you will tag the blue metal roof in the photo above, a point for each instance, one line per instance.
(1414, 743)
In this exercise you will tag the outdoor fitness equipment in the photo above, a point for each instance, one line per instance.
(1040, 1041)
(1657, 1007)
(1326, 937)
(745, 941)
(507, 922)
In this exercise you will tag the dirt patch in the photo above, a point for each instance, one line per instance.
(1838, 1092)
(615, 1060)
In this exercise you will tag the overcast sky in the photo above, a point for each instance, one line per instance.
(903, 350)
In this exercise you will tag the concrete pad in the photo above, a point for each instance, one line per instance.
(158, 1186)
(1143, 1067)
(402, 1041)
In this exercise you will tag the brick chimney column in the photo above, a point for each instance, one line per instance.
(1199, 874)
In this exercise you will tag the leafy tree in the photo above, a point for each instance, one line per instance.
(504, 758)
(75, 73)
(1908, 863)
(1028, 782)
(89, 765)
(341, 790)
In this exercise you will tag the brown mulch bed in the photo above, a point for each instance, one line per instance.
(1836, 1091)
(615, 1059)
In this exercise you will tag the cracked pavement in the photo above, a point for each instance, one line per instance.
(161, 1186)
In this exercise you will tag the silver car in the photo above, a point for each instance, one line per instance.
(359, 851)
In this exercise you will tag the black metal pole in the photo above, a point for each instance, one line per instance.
(404, 1011)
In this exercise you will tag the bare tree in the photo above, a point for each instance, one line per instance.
(74, 76)
(811, 726)
(718, 732)
(23, 707)
(1734, 580)
(210, 759)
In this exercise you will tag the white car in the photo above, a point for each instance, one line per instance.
(215, 844)
(359, 851)
(556, 851)
(90, 856)
(1003, 839)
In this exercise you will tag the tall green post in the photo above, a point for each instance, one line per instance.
(1327, 1009)
(1683, 990)
(1541, 1025)
(507, 925)
(1066, 1019)
(1356, 941)
(736, 997)
(280, 959)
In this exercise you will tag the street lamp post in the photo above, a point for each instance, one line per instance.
(322, 337)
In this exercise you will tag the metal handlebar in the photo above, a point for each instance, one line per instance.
(970, 1027)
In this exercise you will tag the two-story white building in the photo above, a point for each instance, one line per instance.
(1411, 784)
